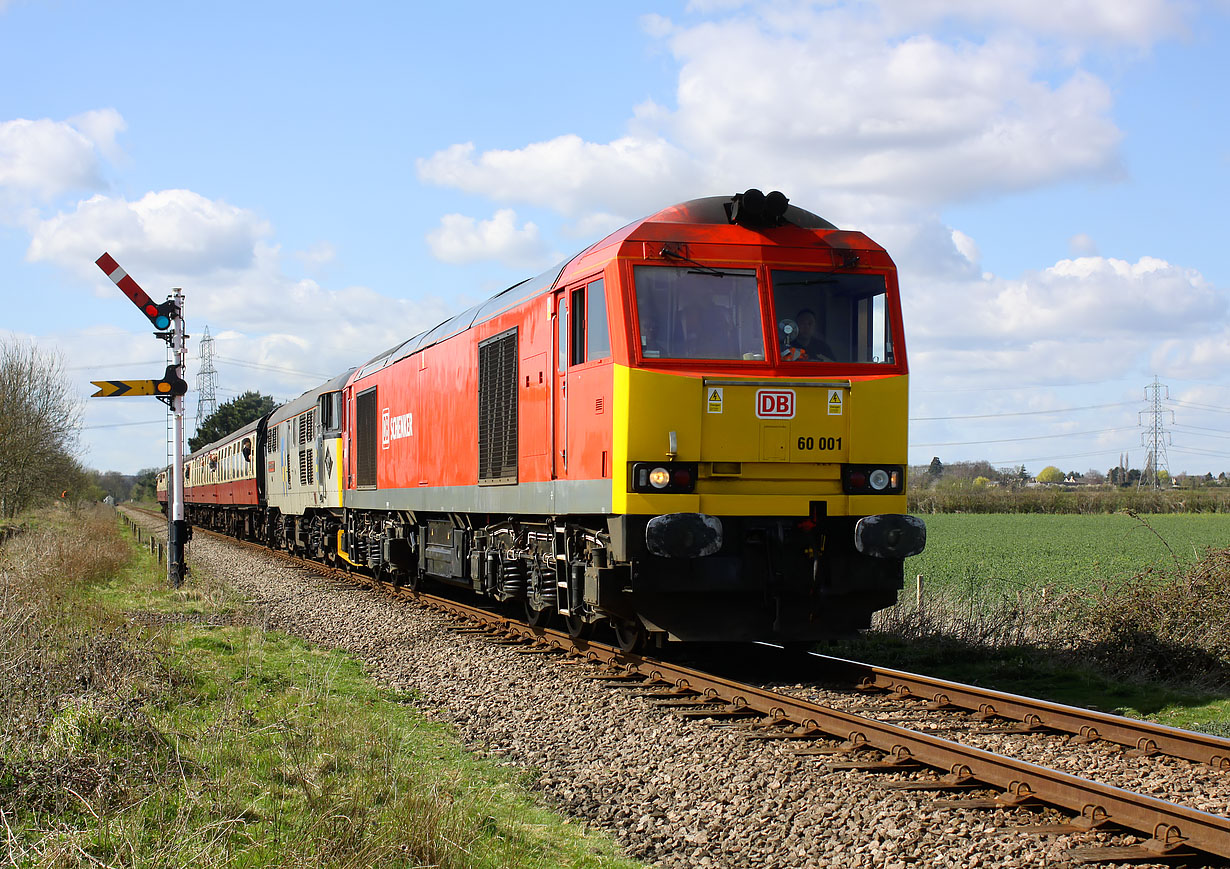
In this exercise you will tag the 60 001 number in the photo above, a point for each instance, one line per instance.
(807, 443)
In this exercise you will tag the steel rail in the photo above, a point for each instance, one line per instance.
(1143, 737)
(1172, 830)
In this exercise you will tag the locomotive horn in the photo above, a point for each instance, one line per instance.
(754, 210)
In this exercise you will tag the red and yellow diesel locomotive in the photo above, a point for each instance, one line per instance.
(694, 429)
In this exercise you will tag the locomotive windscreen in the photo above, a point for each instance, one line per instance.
(699, 313)
(831, 317)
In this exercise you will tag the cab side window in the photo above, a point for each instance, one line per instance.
(590, 330)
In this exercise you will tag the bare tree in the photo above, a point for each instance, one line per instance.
(40, 419)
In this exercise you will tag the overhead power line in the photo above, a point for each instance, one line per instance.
(1068, 434)
(1002, 462)
(263, 367)
(1023, 412)
(1193, 404)
(124, 424)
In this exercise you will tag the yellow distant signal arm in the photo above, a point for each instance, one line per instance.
(171, 384)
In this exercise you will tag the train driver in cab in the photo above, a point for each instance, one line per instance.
(806, 344)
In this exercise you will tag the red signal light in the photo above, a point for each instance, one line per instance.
(858, 479)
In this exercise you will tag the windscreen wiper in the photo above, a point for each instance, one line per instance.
(807, 283)
(700, 268)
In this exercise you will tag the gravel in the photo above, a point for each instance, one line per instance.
(674, 792)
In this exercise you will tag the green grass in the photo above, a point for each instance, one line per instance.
(231, 746)
(1120, 613)
(1004, 552)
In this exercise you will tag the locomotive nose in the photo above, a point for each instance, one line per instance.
(683, 535)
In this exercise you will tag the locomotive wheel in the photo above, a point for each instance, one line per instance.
(537, 618)
(629, 636)
(577, 627)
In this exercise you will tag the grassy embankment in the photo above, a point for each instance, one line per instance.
(182, 744)
(1129, 613)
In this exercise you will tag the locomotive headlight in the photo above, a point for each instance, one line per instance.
(667, 478)
(872, 479)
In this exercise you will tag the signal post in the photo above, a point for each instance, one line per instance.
(168, 318)
(178, 531)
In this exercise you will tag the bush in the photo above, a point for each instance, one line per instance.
(1163, 626)
(976, 499)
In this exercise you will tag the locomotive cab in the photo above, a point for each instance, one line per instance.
(765, 428)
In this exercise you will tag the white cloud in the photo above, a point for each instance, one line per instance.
(45, 158)
(1135, 22)
(101, 126)
(1082, 244)
(1205, 356)
(569, 174)
(318, 255)
(461, 239)
(176, 233)
(1076, 301)
(826, 102)
(918, 119)
(967, 247)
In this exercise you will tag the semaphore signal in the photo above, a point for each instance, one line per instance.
(168, 318)
(160, 315)
(171, 385)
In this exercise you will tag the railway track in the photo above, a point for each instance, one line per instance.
(1170, 832)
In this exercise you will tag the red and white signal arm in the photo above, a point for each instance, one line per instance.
(775, 403)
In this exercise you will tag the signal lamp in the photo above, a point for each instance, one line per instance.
(878, 479)
(171, 383)
(157, 316)
(659, 478)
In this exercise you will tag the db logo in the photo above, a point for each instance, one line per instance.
(775, 404)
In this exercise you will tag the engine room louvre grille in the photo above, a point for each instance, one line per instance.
(366, 434)
(306, 424)
(497, 409)
(305, 468)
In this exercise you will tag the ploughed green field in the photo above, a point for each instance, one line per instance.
(999, 553)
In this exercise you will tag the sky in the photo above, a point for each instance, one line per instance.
(324, 180)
